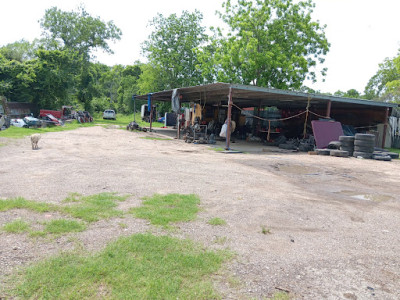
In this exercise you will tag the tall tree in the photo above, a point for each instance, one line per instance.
(77, 30)
(271, 43)
(80, 32)
(385, 84)
(170, 49)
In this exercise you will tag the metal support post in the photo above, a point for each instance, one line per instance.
(228, 129)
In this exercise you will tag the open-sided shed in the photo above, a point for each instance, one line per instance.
(349, 111)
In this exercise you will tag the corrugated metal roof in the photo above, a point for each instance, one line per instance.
(247, 96)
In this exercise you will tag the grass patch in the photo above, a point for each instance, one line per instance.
(94, 207)
(155, 138)
(394, 150)
(280, 296)
(16, 226)
(17, 132)
(218, 149)
(64, 226)
(21, 203)
(165, 209)
(141, 266)
(124, 120)
(216, 222)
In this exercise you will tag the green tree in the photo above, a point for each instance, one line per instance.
(170, 49)
(352, 93)
(20, 51)
(385, 84)
(78, 31)
(271, 43)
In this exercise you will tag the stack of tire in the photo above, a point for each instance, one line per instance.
(347, 144)
(364, 145)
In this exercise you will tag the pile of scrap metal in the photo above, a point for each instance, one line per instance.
(135, 126)
(196, 133)
(303, 145)
(83, 117)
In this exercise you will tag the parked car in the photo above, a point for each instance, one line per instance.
(18, 123)
(32, 122)
(109, 114)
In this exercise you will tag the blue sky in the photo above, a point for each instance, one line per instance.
(362, 33)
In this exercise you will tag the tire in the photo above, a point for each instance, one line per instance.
(323, 151)
(339, 153)
(362, 154)
(334, 145)
(364, 149)
(345, 138)
(347, 143)
(365, 137)
(287, 146)
(364, 143)
(382, 157)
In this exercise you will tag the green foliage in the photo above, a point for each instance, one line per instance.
(272, 43)
(216, 222)
(19, 51)
(77, 30)
(165, 209)
(353, 93)
(385, 84)
(63, 226)
(170, 51)
(16, 226)
(17, 132)
(136, 267)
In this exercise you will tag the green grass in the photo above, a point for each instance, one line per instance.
(141, 266)
(94, 207)
(218, 149)
(394, 150)
(64, 226)
(16, 226)
(124, 120)
(280, 296)
(165, 209)
(216, 221)
(21, 203)
(265, 230)
(17, 132)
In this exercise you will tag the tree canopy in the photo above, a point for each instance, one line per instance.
(78, 30)
(385, 84)
(270, 43)
(170, 49)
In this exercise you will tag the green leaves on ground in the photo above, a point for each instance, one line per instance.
(142, 266)
(165, 209)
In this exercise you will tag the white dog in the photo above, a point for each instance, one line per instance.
(34, 140)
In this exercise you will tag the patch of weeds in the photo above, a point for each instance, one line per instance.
(94, 207)
(233, 282)
(37, 233)
(280, 296)
(123, 225)
(220, 240)
(73, 197)
(21, 203)
(64, 226)
(216, 222)
(1, 145)
(155, 138)
(218, 149)
(265, 230)
(141, 266)
(165, 209)
(16, 226)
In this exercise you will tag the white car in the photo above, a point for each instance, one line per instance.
(109, 114)
(18, 123)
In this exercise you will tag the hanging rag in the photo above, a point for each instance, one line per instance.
(175, 100)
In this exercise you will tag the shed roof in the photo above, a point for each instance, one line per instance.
(250, 96)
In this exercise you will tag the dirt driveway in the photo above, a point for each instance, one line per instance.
(334, 222)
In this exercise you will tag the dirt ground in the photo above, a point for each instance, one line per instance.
(334, 223)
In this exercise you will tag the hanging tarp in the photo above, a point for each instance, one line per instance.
(175, 100)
